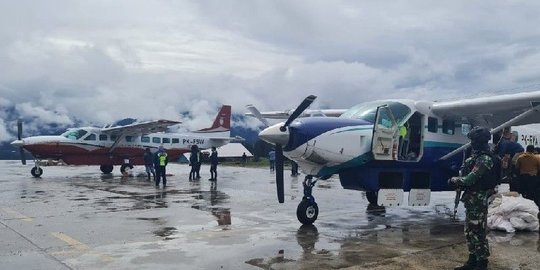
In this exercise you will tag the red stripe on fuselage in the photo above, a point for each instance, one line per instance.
(94, 154)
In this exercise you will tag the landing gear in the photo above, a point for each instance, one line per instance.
(307, 210)
(106, 168)
(124, 167)
(371, 197)
(36, 171)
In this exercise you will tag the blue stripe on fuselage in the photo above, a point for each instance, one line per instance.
(305, 129)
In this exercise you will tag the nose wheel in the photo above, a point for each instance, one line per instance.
(36, 171)
(307, 210)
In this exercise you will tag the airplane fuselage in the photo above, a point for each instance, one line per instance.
(95, 148)
(323, 146)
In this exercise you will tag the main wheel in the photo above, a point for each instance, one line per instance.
(371, 197)
(124, 167)
(307, 212)
(106, 168)
(36, 172)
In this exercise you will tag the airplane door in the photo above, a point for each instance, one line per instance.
(385, 138)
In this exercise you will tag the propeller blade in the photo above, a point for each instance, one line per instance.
(19, 129)
(279, 174)
(23, 158)
(299, 110)
(257, 114)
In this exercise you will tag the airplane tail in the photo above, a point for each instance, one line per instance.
(222, 123)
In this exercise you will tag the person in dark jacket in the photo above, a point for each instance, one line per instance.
(213, 164)
(160, 161)
(194, 161)
(149, 163)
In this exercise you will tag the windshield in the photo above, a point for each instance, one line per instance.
(367, 111)
(74, 134)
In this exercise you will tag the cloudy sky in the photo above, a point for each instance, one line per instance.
(100, 61)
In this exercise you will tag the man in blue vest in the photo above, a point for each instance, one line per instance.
(161, 160)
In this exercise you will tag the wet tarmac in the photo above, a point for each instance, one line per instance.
(76, 218)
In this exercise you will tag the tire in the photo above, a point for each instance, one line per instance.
(124, 166)
(36, 172)
(307, 212)
(106, 168)
(371, 197)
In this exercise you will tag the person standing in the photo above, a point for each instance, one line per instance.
(161, 160)
(149, 163)
(194, 160)
(478, 175)
(528, 166)
(294, 168)
(508, 149)
(213, 164)
(244, 159)
(272, 159)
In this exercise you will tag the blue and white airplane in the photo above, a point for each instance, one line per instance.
(388, 147)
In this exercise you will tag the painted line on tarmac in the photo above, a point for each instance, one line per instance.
(16, 215)
(72, 242)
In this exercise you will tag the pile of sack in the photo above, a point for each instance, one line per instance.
(509, 212)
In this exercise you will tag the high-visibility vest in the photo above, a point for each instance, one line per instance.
(162, 159)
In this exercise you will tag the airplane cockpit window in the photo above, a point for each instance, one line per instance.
(367, 111)
(103, 137)
(74, 134)
(91, 137)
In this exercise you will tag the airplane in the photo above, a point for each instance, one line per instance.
(121, 145)
(363, 146)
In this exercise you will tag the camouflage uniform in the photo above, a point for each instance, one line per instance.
(476, 203)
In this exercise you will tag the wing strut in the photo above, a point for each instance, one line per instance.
(497, 129)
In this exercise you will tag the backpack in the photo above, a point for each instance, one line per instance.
(494, 177)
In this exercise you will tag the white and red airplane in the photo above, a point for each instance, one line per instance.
(122, 145)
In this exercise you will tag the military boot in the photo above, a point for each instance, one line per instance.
(469, 265)
(481, 265)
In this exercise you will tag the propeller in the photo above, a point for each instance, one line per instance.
(277, 135)
(19, 137)
(299, 110)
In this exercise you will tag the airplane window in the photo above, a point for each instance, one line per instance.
(91, 137)
(102, 137)
(465, 128)
(74, 134)
(129, 138)
(175, 140)
(145, 139)
(367, 111)
(448, 127)
(166, 140)
(156, 140)
(433, 124)
(114, 137)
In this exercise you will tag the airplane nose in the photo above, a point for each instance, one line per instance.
(17, 143)
(274, 135)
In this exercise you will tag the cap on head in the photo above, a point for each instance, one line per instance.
(479, 134)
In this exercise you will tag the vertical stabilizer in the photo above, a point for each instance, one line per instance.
(222, 123)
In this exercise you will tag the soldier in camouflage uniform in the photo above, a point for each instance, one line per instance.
(476, 172)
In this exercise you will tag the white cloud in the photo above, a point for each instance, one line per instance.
(100, 61)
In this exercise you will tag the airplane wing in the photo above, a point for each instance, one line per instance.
(494, 110)
(141, 128)
(307, 113)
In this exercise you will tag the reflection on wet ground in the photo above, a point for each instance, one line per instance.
(237, 220)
